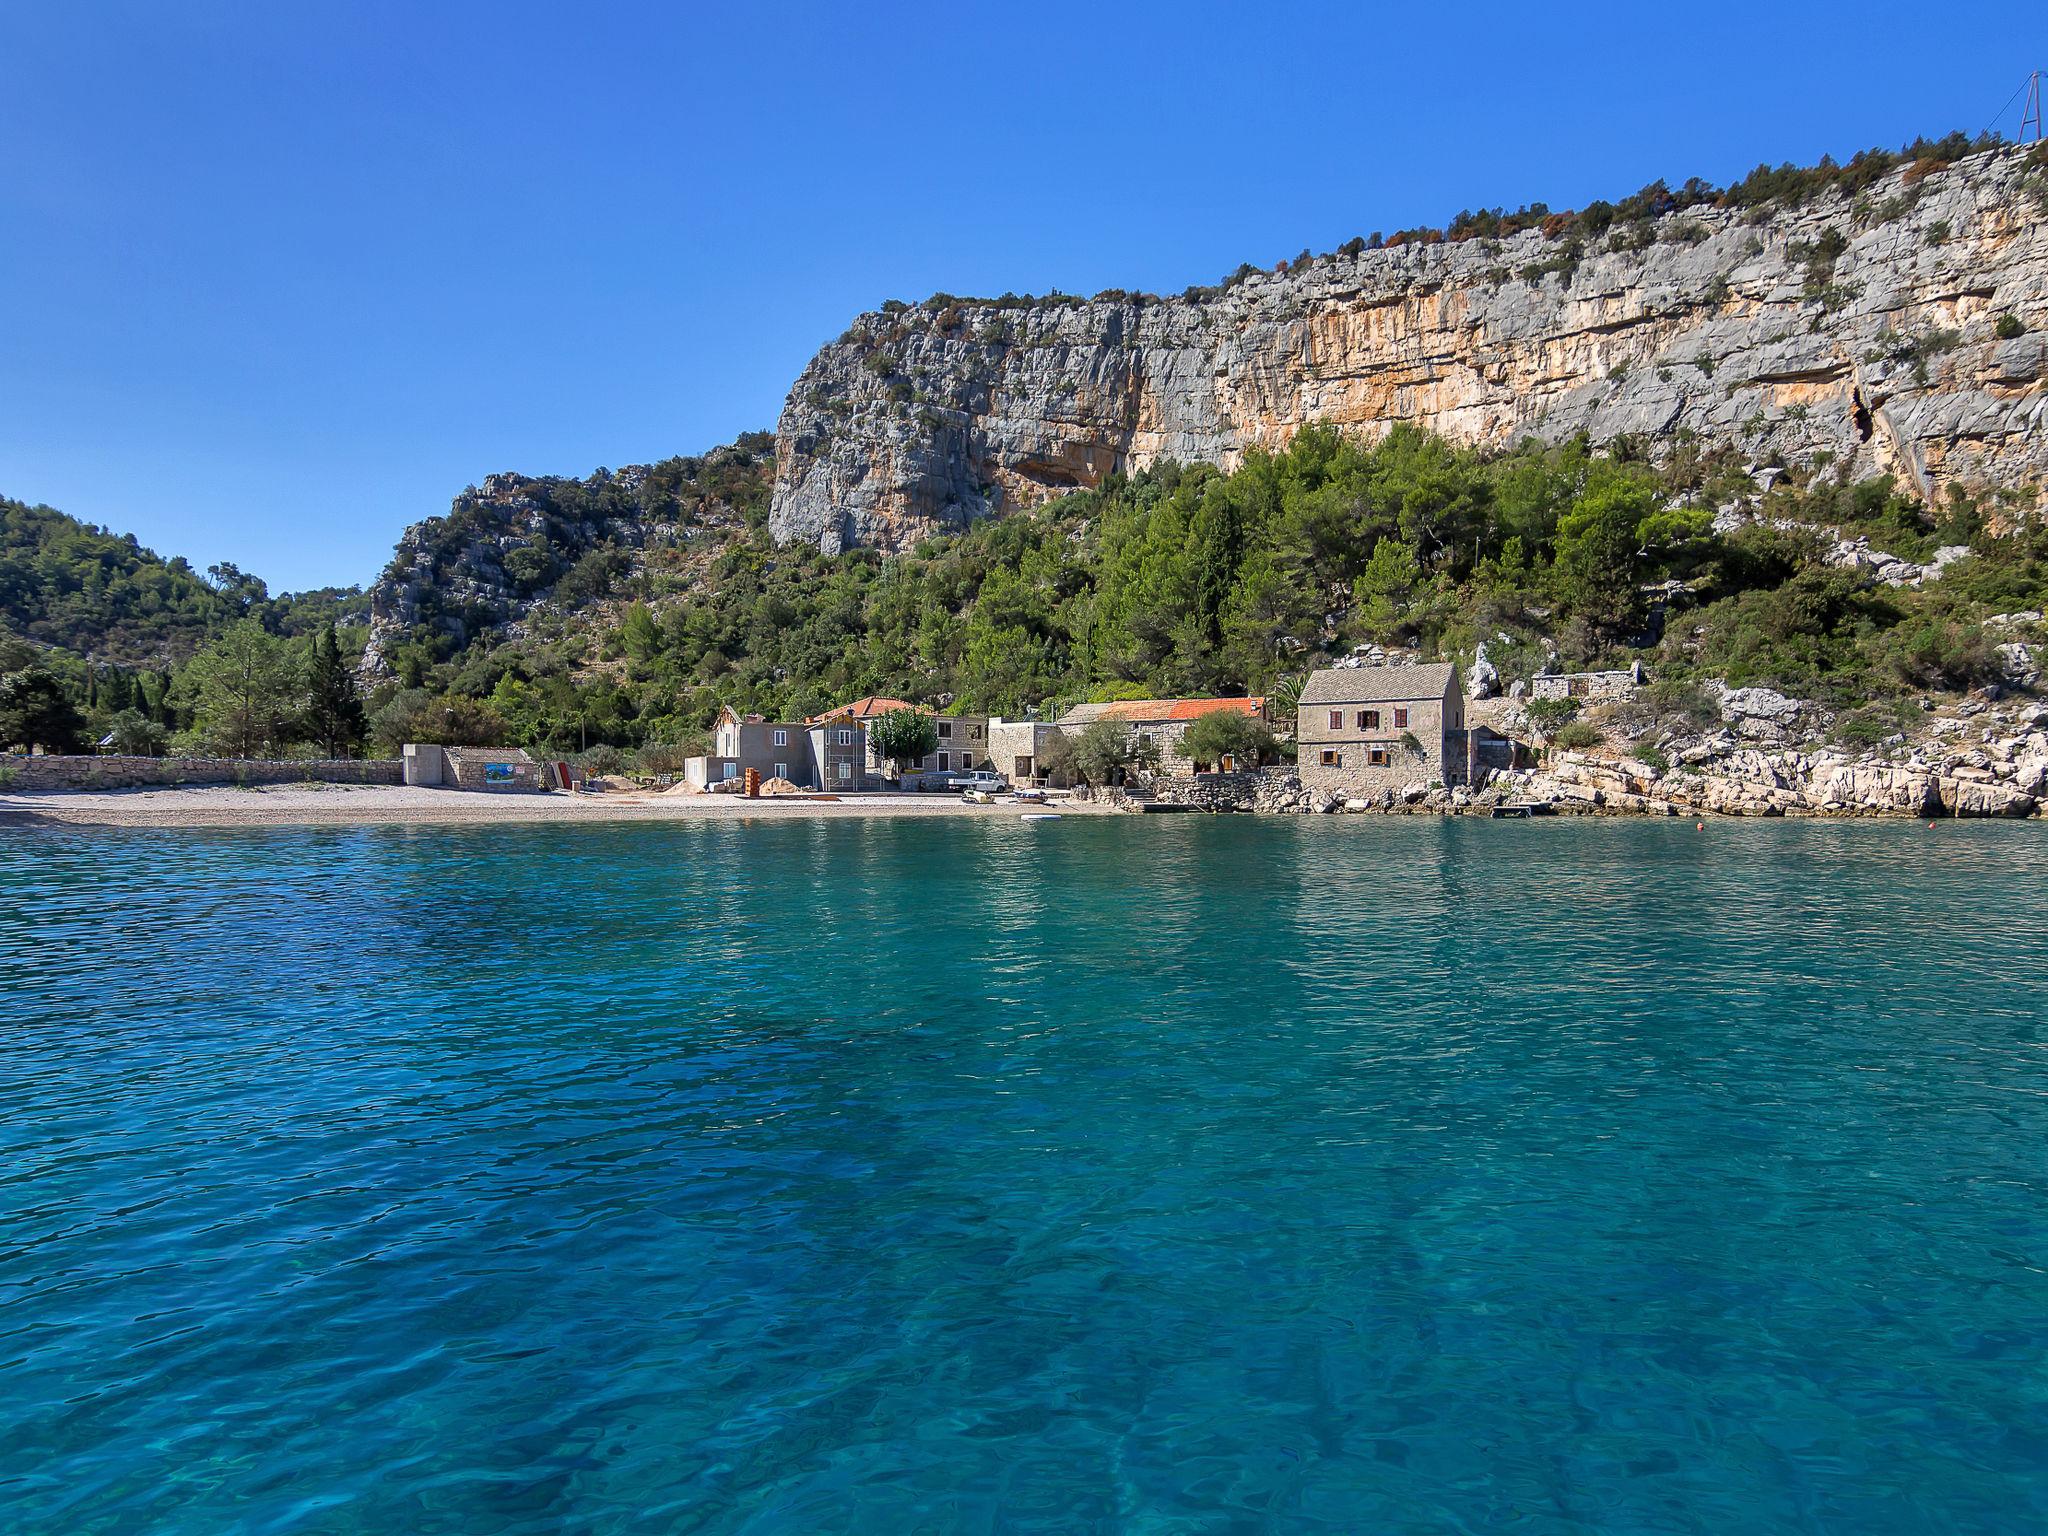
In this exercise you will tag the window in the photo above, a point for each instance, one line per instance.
(845, 772)
(782, 738)
(1578, 687)
(1336, 719)
(845, 740)
(732, 770)
(1332, 759)
(1400, 719)
(1368, 719)
(945, 761)
(1376, 757)
(782, 770)
(945, 733)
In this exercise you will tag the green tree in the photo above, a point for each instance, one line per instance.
(1597, 545)
(415, 715)
(1383, 587)
(35, 711)
(334, 711)
(904, 736)
(1102, 750)
(245, 690)
(136, 735)
(1225, 733)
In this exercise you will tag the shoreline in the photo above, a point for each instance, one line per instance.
(278, 805)
(360, 805)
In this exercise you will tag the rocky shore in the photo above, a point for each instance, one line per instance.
(1982, 760)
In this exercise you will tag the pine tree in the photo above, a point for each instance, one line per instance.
(334, 712)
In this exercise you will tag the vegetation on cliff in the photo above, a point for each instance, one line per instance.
(1186, 580)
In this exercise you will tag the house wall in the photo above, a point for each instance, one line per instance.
(751, 744)
(1438, 724)
(963, 739)
(833, 752)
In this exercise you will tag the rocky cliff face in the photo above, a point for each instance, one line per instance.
(1867, 331)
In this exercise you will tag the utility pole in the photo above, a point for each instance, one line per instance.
(2032, 117)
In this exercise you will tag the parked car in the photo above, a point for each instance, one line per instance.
(981, 781)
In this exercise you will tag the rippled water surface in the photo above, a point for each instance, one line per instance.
(1161, 1176)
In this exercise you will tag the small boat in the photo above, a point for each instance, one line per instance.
(1040, 816)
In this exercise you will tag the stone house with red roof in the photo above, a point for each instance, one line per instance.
(1162, 723)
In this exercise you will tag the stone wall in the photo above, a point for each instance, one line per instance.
(109, 772)
(1355, 778)
(1270, 790)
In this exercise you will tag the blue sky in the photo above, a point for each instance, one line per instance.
(278, 279)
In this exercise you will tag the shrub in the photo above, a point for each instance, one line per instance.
(601, 760)
(1866, 727)
(1575, 734)
(1226, 733)
(1547, 715)
(1651, 758)
(2009, 327)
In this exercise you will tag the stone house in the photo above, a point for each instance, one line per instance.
(1162, 723)
(1016, 750)
(810, 754)
(962, 744)
(1362, 730)
(1588, 687)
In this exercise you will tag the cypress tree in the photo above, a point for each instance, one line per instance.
(334, 713)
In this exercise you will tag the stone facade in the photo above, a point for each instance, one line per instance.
(1364, 731)
(1016, 750)
(110, 772)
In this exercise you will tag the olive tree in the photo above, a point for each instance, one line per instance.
(1227, 734)
(904, 736)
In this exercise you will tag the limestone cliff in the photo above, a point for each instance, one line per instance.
(1883, 332)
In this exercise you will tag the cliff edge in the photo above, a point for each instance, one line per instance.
(1896, 330)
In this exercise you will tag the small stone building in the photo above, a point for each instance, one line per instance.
(485, 768)
(1364, 730)
(1588, 687)
(1016, 750)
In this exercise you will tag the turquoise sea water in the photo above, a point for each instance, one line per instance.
(1178, 1175)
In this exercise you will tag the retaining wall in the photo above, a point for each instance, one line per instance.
(19, 773)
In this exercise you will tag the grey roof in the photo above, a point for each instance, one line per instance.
(1378, 685)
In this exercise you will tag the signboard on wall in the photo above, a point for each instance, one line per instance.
(500, 773)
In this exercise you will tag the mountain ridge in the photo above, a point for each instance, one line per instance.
(1854, 321)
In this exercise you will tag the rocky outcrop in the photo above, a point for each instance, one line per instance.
(1864, 331)
(519, 545)
(2003, 773)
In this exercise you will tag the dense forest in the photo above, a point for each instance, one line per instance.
(1188, 580)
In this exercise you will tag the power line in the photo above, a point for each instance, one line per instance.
(2031, 88)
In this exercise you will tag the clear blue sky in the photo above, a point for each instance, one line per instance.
(278, 279)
